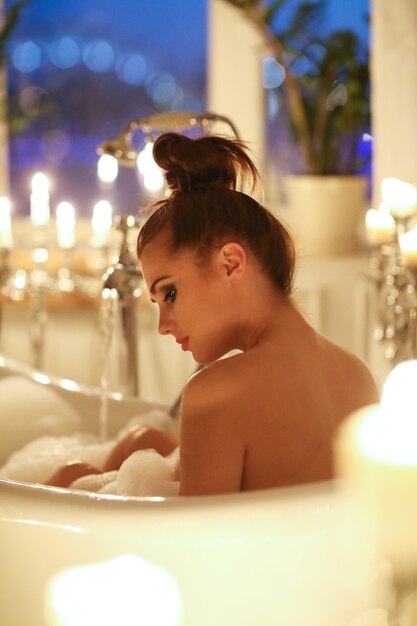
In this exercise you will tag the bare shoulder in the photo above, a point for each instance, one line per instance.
(213, 401)
(354, 374)
(216, 383)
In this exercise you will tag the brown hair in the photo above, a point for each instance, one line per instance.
(205, 210)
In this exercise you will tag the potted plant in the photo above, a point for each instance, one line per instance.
(326, 90)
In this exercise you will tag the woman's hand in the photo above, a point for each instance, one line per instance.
(140, 438)
(66, 474)
(137, 438)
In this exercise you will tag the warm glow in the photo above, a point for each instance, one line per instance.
(6, 239)
(40, 256)
(40, 183)
(101, 222)
(126, 591)
(39, 200)
(380, 225)
(401, 197)
(65, 225)
(151, 174)
(107, 168)
(408, 246)
(389, 433)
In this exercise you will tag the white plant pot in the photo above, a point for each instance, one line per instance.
(325, 212)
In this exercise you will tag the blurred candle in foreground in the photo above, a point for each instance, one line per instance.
(6, 238)
(101, 223)
(408, 247)
(126, 591)
(65, 225)
(376, 449)
(401, 197)
(39, 200)
(380, 225)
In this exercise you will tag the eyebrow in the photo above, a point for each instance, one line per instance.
(155, 282)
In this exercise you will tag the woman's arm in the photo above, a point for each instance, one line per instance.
(211, 451)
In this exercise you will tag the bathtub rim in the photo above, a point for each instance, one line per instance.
(311, 491)
(69, 387)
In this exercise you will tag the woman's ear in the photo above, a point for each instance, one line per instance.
(233, 259)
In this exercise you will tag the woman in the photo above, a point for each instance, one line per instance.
(220, 268)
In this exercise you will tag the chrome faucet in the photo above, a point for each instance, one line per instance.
(125, 278)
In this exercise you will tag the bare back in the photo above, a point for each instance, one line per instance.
(267, 417)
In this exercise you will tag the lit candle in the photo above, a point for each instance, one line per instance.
(101, 223)
(376, 448)
(380, 225)
(65, 225)
(6, 238)
(408, 247)
(401, 197)
(107, 168)
(124, 591)
(151, 174)
(39, 200)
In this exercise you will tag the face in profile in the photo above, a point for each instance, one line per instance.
(191, 297)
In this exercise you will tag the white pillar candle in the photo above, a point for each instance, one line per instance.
(376, 448)
(401, 197)
(65, 225)
(39, 200)
(380, 225)
(101, 223)
(6, 238)
(124, 592)
(408, 247)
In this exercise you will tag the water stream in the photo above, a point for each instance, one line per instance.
(108, 311)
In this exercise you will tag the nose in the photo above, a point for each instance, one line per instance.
(166, 325)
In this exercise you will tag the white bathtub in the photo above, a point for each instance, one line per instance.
(283, 556)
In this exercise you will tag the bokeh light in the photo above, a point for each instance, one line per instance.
(99, 56)
(133, 69)
(162, 88)
(64, 52)
(27, 57)
(273, 73)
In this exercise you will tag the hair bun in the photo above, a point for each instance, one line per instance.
(210, 160)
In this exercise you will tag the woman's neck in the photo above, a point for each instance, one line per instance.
(268, 318)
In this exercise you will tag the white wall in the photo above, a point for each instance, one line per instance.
(394, 90)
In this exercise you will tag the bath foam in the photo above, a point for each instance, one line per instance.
(39, 459)
(99, 483)
(29, 410)
(144, 474)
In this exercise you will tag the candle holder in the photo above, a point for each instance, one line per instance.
(395, 285)
(5, 269)
(67, 281)
(39, 284)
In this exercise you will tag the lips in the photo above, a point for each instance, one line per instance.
(183, 341)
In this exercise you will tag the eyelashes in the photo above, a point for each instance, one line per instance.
(170, 293)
